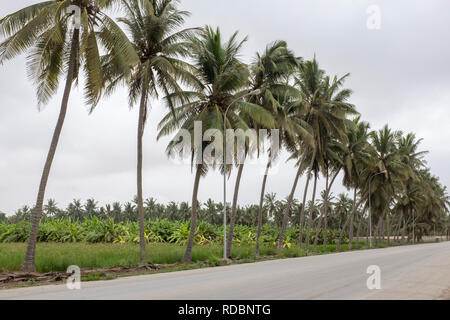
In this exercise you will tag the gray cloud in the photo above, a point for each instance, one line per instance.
(400, 75)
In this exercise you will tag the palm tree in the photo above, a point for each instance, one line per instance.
(356, 156)
(222, 78)
(327, 109)
(331, 164)
(43, 31)
(267, 73)
(386, 172)
(158, 42)
(342, 208)
(271, 72)
(411, 195)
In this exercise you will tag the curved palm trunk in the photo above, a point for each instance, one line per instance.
(348, 221)
(261, 201)
(188, 253)
(311, 211)
(324, 212)
(233, 210)
(29, 261)
(140, 134)
(341, 235)
(287, 210)
(302, 212)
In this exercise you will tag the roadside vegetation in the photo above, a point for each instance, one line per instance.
(200, 76)
(58, 256)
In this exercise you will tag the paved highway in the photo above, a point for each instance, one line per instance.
(408, 272)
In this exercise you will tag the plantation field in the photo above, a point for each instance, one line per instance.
(58, 256)
(156, 231)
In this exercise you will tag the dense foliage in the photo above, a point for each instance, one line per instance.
(95, 230)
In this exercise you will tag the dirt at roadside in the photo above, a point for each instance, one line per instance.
(19, 279)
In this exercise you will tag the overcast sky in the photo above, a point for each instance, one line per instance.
(400, 75)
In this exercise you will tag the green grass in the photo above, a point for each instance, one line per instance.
(58, 256)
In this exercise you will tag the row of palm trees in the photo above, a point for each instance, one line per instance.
(201, 77)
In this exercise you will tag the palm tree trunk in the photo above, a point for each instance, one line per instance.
(367, 233)
(29, 261)
(377, 230)
(358, 230)
(348, 220)
(261, 201)
(388, 229)
(233, 210)
(351, 226)
(403, 240)
(287, 210)
(305, 192)
(324, 213)
(311, 211)
(188, 253)
(319, 224)
(325, 227)
(399, 225)
(140, 201)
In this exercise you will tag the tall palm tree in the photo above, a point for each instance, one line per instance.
(267, 73)
(386, 172)
(412, 195)
(223, 77)
(272, 72)
(327, 111)
(356, 156)
(43, 31)
(159, 42)
(331, 166)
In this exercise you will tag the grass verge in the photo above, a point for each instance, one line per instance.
(59, 256)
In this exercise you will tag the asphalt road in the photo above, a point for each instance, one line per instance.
(407, 272)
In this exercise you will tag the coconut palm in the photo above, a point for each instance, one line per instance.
(356, 155)
(411, 195)
(44, 31)
(223, 77)
(327, 110)
(331, 167)
(268, 73)
(158, 40)
(433, 207)
(386, 172)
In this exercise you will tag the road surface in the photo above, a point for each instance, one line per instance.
(407, 272)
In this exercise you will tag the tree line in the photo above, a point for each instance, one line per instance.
(201, 77)
(209, 211)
